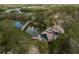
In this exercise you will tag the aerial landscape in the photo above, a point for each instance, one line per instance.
(39, 29)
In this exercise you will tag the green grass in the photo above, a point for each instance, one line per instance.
(17, 41)
(20, 41)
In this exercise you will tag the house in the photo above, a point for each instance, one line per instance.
(51, 33)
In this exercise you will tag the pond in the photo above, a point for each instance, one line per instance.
(30, 29)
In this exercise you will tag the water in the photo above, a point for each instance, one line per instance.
(18, 24)
(30, 29)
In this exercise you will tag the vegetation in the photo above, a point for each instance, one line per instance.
(12, 40)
